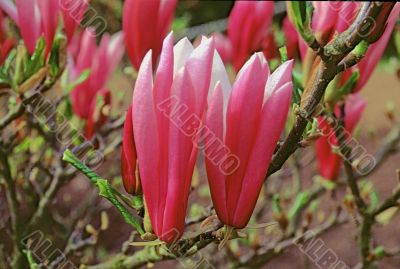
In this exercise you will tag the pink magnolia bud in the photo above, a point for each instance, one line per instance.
(35, 18)
(167, 112)
(375, 51)
(101, 61)
(145, 24)
(329, 162)
(128, 157)
(244, 125)
(247, 26)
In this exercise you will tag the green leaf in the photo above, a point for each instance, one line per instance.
(54, 59)
(368, 189)
(300, 14)
(9, 60)
(379, 252)
(361, 49)
(386, 216)
(283, 53)
(82, 78)
(31, 260)
(180, 24)
(312, 127)
(300, 201)
(137, 202)
(297, 87)
(397, 41)
(36, 61)
(324, 182)
(105, 189)
(276, 203)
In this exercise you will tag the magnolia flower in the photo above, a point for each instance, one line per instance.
(166, 112)
(145, 24)
(247, 27)
(248, 120)
(375, 51)
(329, 162)
(36, 18)
(101, 61)
(336, 17)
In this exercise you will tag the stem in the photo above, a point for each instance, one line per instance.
(18, 259)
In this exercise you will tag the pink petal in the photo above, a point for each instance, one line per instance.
(291, 37)
(166, 14)
(9, 7)
(375, 51)
(128, 157)
(281, 76)
(180, 150)
(49, 12)
(162, 91)
(129, 26)
(328, 162)
(87, 51)
(354, 107)
(223, 46)
(247, 26)
(243, 113)
(199, 66)
(72, 11)
(146, 138)
(29, 22)
(213, 140)
(271, 125)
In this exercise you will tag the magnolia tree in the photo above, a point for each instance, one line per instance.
(207, 158)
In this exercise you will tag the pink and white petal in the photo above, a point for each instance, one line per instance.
(243, 114)
(199, 66)
(214, 138)
(274, 115)
(281, 76)
(179, 152)
(182, 51)
(162, 94)
(9, 7)
(87, 51)
(146, 138)
(219, 75)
